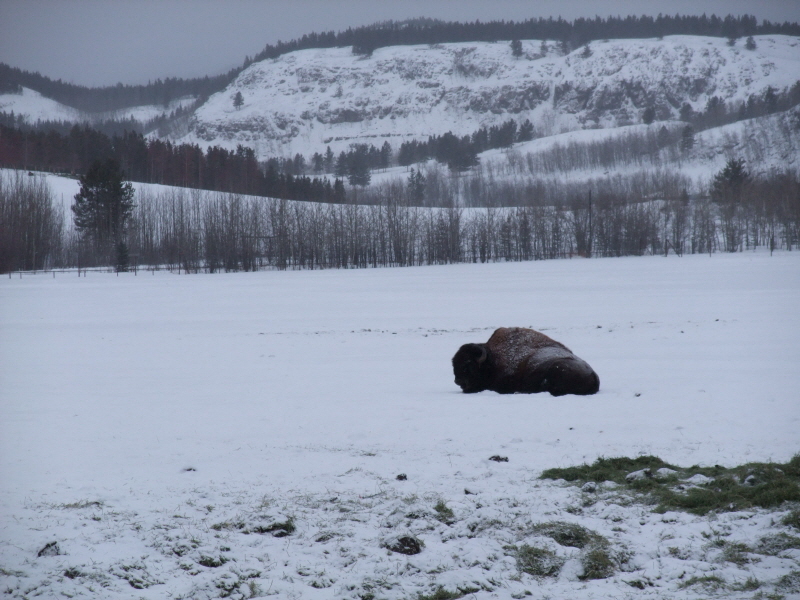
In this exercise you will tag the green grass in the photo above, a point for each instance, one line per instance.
(442, 594)
(538, 562)
(764, 485)
(597, 563)
(792, 519)
(567, 534)
(789, 583)
(709, 582)
(444, 513)
(775, 544)
(607, 469)
(736, 553)
(751, 585)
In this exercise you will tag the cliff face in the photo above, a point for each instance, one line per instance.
(306, 100)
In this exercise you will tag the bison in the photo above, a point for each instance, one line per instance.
(519, 360)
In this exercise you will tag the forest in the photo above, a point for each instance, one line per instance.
(194, 231)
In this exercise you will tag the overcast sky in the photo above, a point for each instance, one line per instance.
(104, 42)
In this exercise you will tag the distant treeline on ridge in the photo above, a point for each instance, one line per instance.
(364, 40)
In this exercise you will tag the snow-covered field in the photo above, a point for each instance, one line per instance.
(163, 430)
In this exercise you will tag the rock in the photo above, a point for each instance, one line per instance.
(590, 487)
(406, 544)
(639, 475)
(664, 473)
(699, 479)
(50, 549)
(498, 458)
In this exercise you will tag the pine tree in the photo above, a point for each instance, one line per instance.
(750, 44)
(525, 132)
(516, 48)
(358, 166)
(649, 115)
(103, 205)
(238, 100)
(329, 160)
(687, 138)
(416, 187)
(730, 182)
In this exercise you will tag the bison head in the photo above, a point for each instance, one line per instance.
(472, 367)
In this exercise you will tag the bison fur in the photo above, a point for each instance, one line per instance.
(519, 360)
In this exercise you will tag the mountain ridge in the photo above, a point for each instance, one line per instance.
(305, 100)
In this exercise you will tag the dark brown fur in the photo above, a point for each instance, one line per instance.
(519, 360)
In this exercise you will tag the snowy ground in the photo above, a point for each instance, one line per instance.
(156, 427)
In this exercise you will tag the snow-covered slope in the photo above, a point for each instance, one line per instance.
(305, 100)
(34, 107)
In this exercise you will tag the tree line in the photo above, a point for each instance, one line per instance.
(193, 230)
(461, 153)
(366, 39)
(155, 161)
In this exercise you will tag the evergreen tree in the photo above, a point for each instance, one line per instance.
(341, 165)
(687, 138)
(358, 166)
(416, 187)
(525, 132)
(339, 195)
(516, 48)
(663, 136)
(687, 112)
(750, 44)
(649, 115)
(238, 100)
(386, 155)
(103, 205)
(329, 159)
(123, 257)
(730, 183)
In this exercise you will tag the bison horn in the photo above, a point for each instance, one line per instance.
(482, 357)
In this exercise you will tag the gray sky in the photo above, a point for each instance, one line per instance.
(104, 42)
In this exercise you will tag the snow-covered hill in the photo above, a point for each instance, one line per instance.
(34, 107)
(306, 100)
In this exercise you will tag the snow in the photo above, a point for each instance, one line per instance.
(306, 100)
(35, 107)
(148, 421)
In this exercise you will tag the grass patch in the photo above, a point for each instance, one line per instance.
(772, 545)
(789, 583)
(597, 563)
(568, 534)
(211, 562)
(607, 469)
(83, 504)
(792, 519)
(538, 562)
(444, 513)
(736, 553)
(707, 582)
(764, 485)
(277, 529)
(442, 594)
(751, 585)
